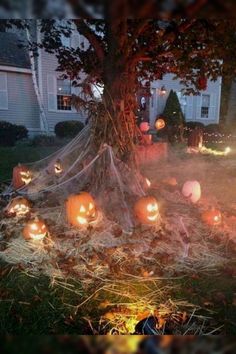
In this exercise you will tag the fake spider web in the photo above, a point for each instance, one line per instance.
(78, 167)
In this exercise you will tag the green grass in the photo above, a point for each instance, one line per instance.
(11, 156)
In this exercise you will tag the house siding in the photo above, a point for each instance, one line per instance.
(49, 65)
(22, 102)
(193, 106)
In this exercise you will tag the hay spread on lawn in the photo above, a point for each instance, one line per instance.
(116, 247)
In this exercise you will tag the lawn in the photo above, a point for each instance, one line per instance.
(32, 305)
(11, 156)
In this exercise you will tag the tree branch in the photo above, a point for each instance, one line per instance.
(91, 36)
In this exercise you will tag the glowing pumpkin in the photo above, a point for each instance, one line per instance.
(146, 210)
(144, 127)
(21, 176)
(35, 230)
(160, 124)
(58, 168)
(212, 217)
(192, 190)
(19, 206)
(81, 209)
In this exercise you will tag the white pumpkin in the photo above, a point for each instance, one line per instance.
(192, 190)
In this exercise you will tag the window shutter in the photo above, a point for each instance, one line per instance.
(212, 109)
(189, 108)
(198, 106)
(52, 92)
(3, 91)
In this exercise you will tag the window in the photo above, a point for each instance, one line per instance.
(3, 91)
(63, 95)
(205, 106)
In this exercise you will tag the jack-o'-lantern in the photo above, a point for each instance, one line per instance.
(144, 127)
(19, 206)
(35, 230)
(81, 209)
(146, 210)
(160, 124)
(212, 217)
(58, 168)
(192, 191)
(21, 176)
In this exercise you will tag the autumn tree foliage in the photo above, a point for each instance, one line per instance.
(133, 42)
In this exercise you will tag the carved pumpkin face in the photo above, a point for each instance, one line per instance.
(160, 124)
(21, 176)
(81, 209)
(212, 217)
(192, 190)
(58, 168)
(148, 183)
(35, 230)
(19, 206)
(146, 210)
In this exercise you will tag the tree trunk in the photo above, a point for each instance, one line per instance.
(116, 125)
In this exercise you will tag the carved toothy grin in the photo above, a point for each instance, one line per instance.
(153, 218)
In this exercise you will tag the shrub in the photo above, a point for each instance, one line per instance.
(68, 129)
(212, 128)
(10, 133)
(172, 111)
(21, 132)
(193, 125)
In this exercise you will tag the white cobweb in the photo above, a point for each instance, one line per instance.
(114, 185)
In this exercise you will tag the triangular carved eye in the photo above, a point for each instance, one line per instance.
(82, 209)
(90, 206)
(149, 207)
(34, 227)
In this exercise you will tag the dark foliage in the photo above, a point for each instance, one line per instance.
(10, 133)
(193, 125)
(172, 111)
(212, 128)
(68, 129)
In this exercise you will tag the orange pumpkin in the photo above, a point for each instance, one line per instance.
(21, 176)
(35, 230)
(81, 209)
(160, 124)
(212, 217)
(146, 210)
(19, 206)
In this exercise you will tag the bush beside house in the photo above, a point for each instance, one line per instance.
(11, 133)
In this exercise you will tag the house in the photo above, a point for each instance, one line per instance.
(204, 108)
(20, 103)
(28, 95)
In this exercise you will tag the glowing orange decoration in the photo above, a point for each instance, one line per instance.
(146, 210)
(81, 209)
(212, 217)
(35, 230)
(19, 206)
(21, 176)
(160, 124)
(144, 127)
